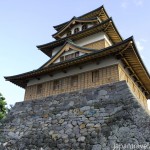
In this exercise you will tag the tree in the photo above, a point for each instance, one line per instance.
(3, 109)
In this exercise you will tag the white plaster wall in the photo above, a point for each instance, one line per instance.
(108, 40)
(64, 35)
(55, 50)
(90, 25)
(75, 70)
(90, 39)
(77, 26)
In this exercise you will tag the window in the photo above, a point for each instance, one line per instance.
(76, 54)
(95, 76)
(56, 85)
(74, 81)
(70, 56)
(67, 57)
(68, 33)
(76, 30)
(84, 27)
(39, 89)
(62, 58)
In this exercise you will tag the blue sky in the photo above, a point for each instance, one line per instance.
(25, 24)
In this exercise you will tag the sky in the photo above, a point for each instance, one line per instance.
(26, 24)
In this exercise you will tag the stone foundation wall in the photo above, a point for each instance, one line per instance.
(92, 119)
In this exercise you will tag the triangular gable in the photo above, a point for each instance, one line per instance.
(67, 47)
(74, 20)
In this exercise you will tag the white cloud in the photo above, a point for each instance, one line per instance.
(126, 3)
(138, 2)
(143, 40)
(139, 46)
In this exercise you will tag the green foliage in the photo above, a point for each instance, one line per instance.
(3, 109)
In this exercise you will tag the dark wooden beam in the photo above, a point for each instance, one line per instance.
(64, 71)
(80, 67)
(51, 75)
(127, 67)
(132, 74)
(148, 96)
(38, 78)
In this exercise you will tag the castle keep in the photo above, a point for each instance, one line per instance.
(90, 95)
(88, 52)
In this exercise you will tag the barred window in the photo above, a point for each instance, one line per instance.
(84, 27)
(62, 58)
(76, 30)
(70, 56)
(95, 76)
(39, 88)
(74, 81)
(56, 85)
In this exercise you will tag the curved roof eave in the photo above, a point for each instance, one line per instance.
(58, 27)
(59, 42)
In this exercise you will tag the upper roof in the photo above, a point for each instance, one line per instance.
(106, 26)
(92, 14)
(125, 50)
(72, 22)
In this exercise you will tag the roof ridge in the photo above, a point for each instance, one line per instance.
(101, 7)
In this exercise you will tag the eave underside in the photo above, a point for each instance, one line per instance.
(126, 51)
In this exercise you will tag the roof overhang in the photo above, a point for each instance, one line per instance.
(107, 26)
(101, 12)
(126, 51)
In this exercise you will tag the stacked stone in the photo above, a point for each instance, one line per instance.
(91, 119)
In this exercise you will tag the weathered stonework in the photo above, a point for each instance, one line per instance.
(90, 119)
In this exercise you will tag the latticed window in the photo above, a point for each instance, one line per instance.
(74, 81)
(39, 88)
(95, 76)
(70, 56)
(56, 85)
(84, 27)
(76, 30)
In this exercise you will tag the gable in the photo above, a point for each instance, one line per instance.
(73, 22)
(68, 51)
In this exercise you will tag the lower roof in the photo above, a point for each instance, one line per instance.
(126, 51)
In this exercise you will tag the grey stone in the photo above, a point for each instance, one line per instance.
(71, 103)
(110, 115)
(85, 108)
(81, 139)
(102, 92)
(96, 147)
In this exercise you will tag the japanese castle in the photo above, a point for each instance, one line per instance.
(88, 51)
